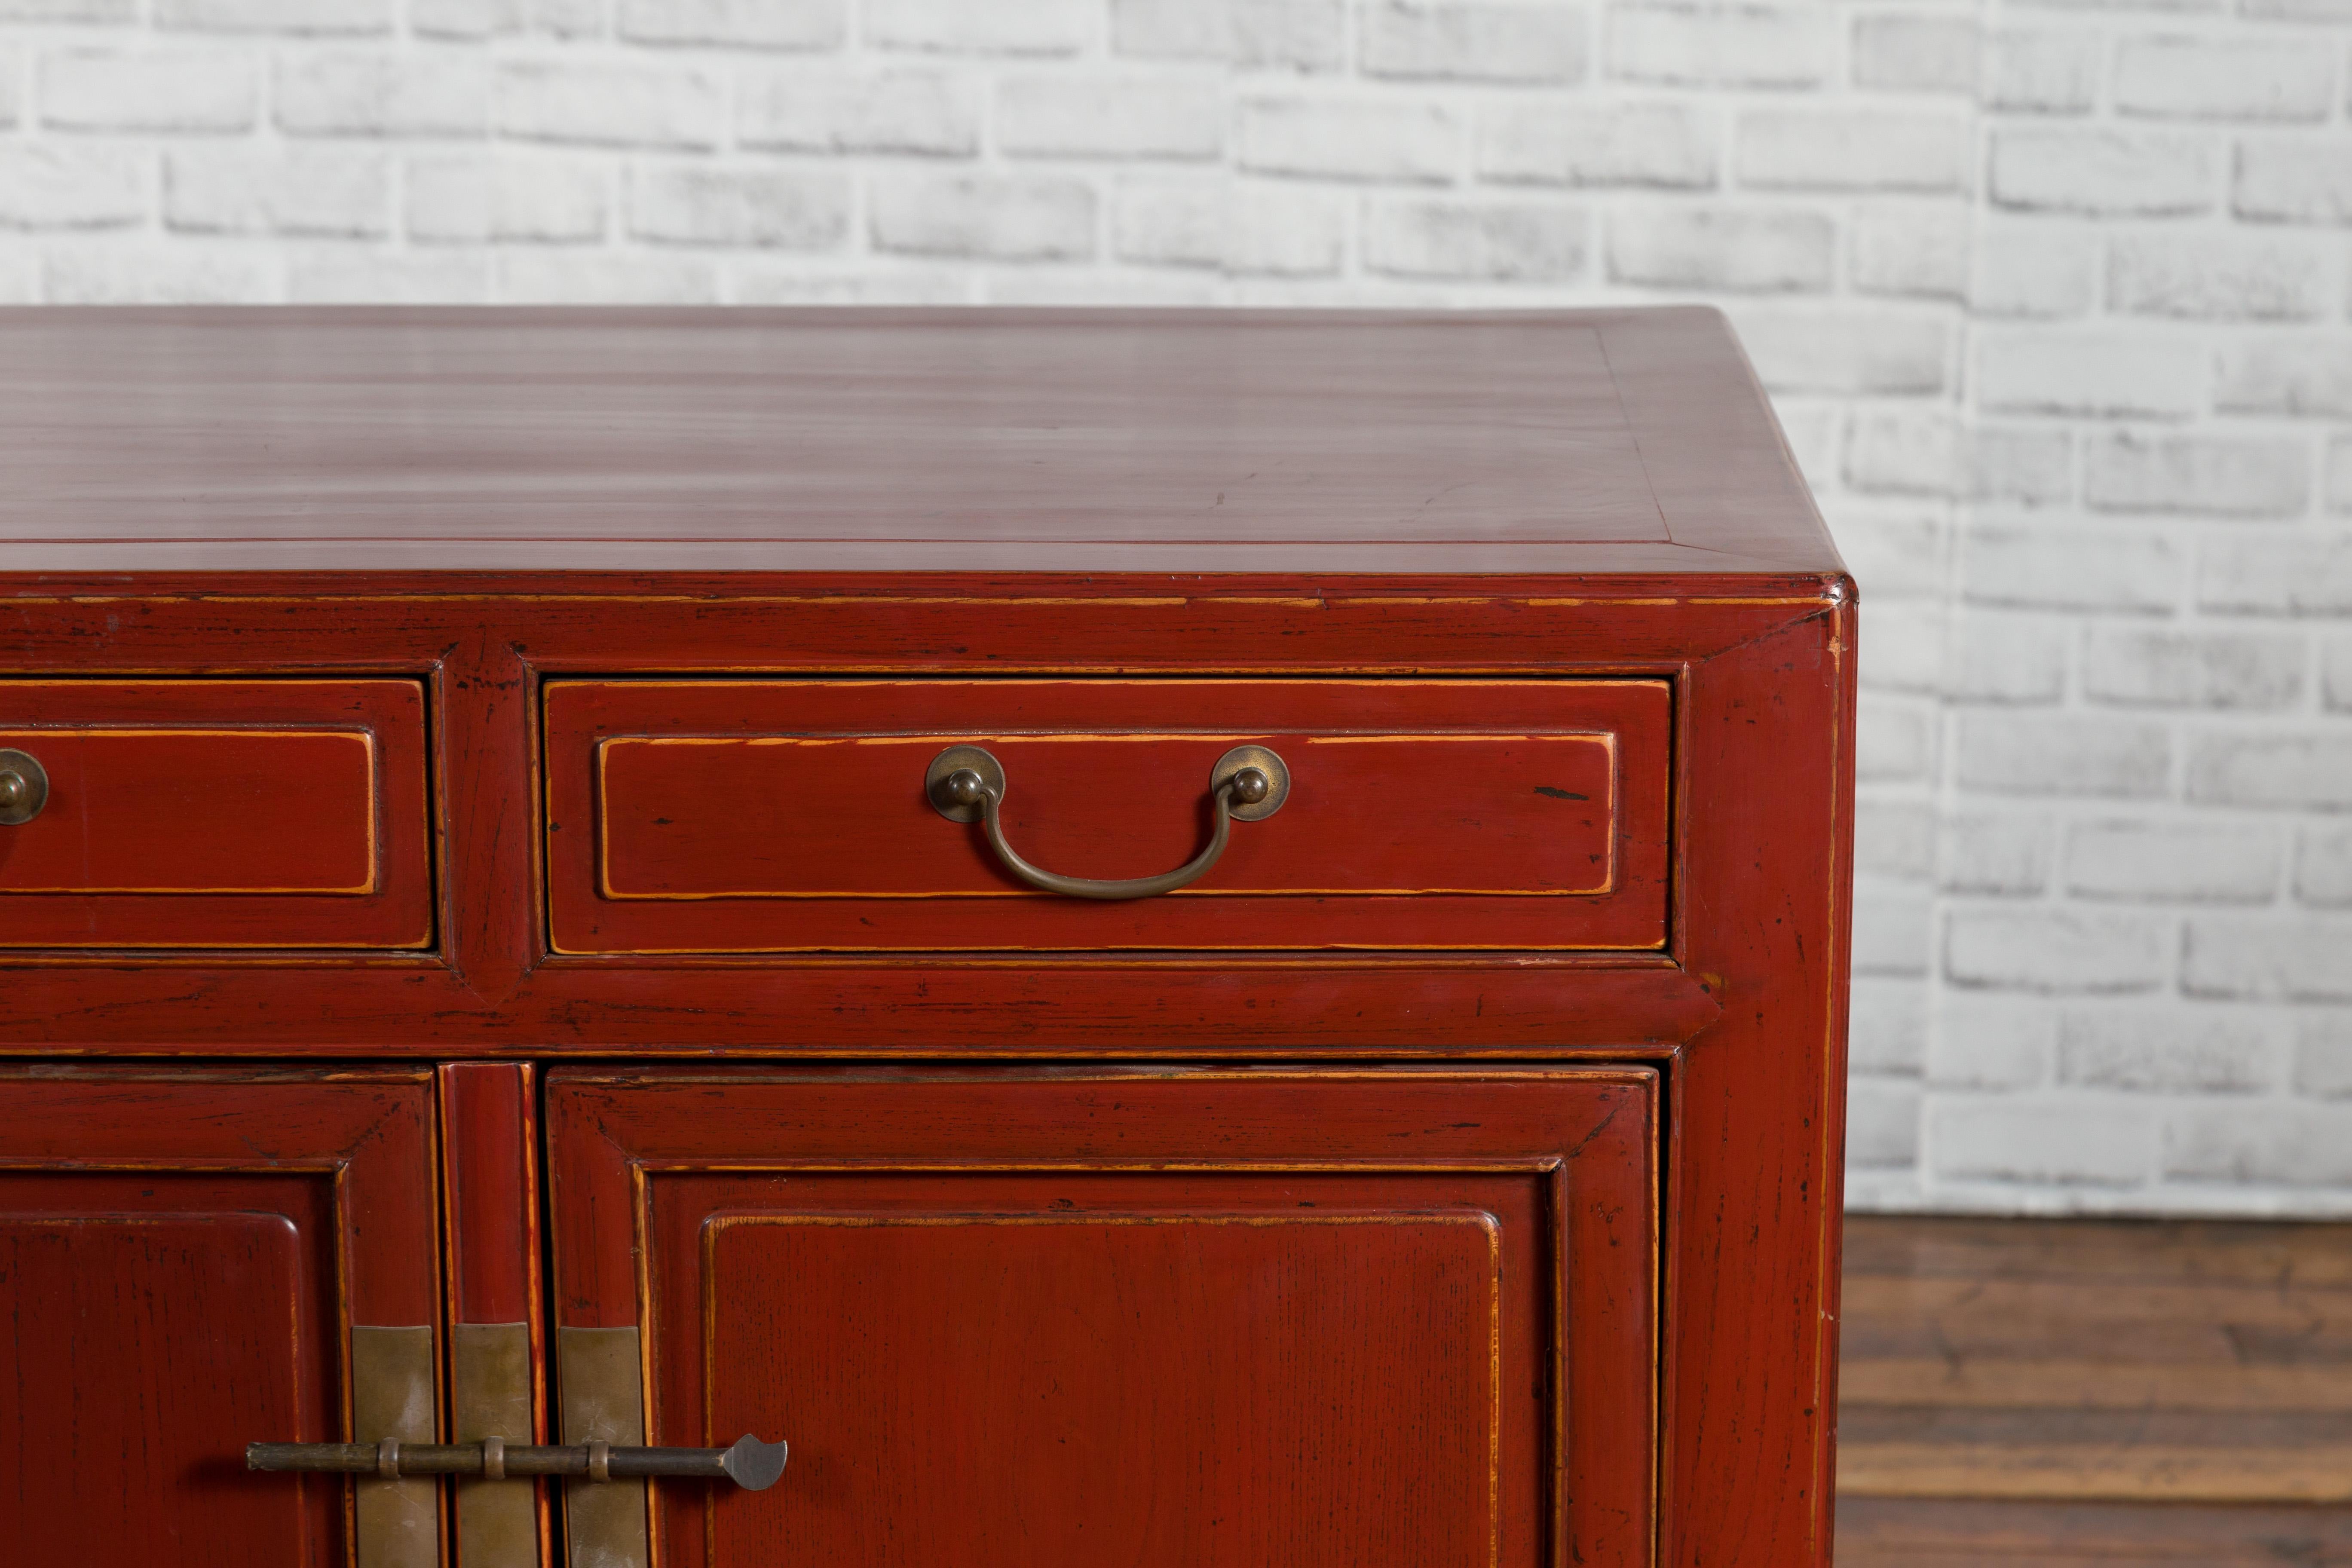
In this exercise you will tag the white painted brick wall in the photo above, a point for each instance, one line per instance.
(2056, 299)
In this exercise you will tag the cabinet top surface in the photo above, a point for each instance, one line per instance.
(383, 440)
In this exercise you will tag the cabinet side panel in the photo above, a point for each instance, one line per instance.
(1753, 1198)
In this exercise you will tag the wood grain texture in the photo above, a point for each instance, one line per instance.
(145, 1349)
(219, 813)
(490, 1220)
(1497, 509)
(494, 987)
(1200, 1383)
(1755, 1195)
(183, 1254)
(490, 1181)
(1749, 990)
(214, 812)
(2204, 1361)
(721, 816)
(829, 440)
(1515, 1267)
(1891, 1533)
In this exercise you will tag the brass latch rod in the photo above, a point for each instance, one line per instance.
(751, 1464)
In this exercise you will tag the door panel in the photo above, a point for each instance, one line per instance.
(1209, 1319)
(140, 1339)
(186, 1259)
(1088, 1354)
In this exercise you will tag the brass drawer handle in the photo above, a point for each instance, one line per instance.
(751, 1464)
(1248, 783)
(24, 786)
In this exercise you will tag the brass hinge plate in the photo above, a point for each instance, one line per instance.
(398, 1523)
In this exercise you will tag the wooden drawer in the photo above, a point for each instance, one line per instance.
(211, 813)
(782, 816)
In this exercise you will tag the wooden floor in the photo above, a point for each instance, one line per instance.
(2039, 1393)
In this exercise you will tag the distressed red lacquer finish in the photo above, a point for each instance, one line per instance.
(1216, 1318)
(490, 1163)
(183, 1254)
(726, 815)
(582, 544)
(490, 1217)
(213, 814)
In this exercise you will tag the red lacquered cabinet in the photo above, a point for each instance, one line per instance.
(1182, 939)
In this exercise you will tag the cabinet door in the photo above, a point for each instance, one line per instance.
(193, 1260)
(1056, 1320)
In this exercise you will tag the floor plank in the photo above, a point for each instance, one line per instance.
(2161, 1251)
(2204, 1361)
(1880, 1532)
(2091, 1385)
(2146, 1472)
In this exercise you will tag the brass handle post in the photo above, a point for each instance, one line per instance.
(24, 786)
(1248, 783)
(751, 1464)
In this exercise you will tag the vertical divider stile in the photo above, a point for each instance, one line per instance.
(490, 1151)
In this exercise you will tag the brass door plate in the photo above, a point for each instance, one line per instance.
(398, 1521)
(497, 1521)
(600, 1389)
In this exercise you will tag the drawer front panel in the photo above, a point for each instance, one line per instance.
(218, 814)
(784, 815)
